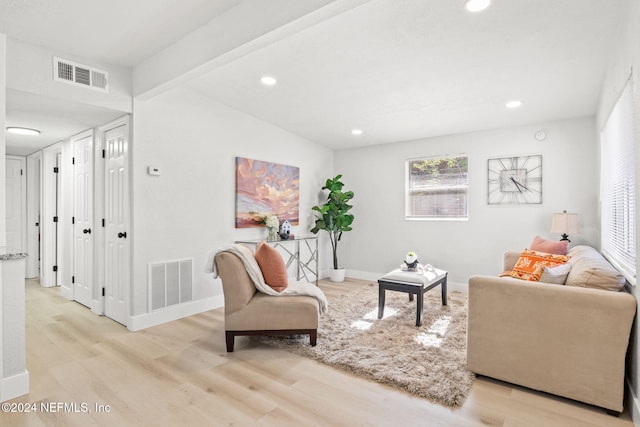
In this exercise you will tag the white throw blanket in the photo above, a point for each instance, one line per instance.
(248, 258)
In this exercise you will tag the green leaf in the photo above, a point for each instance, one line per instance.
(333, 215)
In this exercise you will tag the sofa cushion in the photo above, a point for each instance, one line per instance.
(556, 275)
(558, 247)
(272, 265)
(589, 269)
(530, 264)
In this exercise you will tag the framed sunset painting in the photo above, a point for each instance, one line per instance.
(266, 187)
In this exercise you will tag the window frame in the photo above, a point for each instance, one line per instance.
(408, 216)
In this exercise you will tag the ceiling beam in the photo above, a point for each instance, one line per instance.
(244, 29)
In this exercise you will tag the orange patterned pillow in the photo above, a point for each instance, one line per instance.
(531, 264)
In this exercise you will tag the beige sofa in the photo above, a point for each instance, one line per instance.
(569, 340)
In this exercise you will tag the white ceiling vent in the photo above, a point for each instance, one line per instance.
(80, 75)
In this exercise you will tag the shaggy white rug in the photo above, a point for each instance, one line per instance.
(429, 361)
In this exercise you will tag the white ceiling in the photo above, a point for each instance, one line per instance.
(397, 69)
(56, 118)
(121, 32)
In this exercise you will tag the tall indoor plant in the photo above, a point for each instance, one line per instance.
(334, 218)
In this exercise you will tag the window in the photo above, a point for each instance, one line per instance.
(436, 188)
(618, 186)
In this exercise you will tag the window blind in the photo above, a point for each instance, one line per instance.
(618, 214)
(436, 188)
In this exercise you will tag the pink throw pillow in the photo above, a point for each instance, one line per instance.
(549, 246)
(272, 265)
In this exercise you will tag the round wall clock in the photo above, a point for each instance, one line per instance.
(515, 180)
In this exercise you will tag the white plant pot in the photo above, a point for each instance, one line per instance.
(337, 275)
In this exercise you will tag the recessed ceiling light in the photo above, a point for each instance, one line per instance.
(513, 104)
(268, 81)
(477, 5)
(23, 131)
(356, 132)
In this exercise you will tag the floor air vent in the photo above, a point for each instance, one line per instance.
(170, 283)
(80, 75)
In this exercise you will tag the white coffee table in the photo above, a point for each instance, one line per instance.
(412, 283)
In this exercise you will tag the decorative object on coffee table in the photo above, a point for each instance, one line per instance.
(411, 261)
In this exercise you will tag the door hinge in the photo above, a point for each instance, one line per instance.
(73, 279)
(103, 222)
(55, 219)
(103, 293)
(104, 153)
(73, 160)
(73, 220)
(20, 172)
(55, 268)
(55, 169)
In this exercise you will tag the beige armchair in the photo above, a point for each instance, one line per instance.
(248, 312)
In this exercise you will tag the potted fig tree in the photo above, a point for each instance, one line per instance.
(334, 218)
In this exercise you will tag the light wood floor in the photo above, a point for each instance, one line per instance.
(179, 374)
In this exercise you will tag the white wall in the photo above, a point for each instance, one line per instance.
(30, 69)
(3, 86)
(3, 121)
(382, 236)
(189, 211)
(625, 58)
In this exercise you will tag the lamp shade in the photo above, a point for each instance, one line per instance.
(565, 223)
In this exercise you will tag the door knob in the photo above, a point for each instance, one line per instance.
(87, 231)
(122, 235)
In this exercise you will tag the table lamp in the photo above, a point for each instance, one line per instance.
(565, 223)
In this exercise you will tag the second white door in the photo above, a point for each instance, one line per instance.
(82, 281)
(117, 233)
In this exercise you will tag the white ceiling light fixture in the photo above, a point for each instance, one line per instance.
(476, 5)
(268, 80)
(513, 104)
(22, 131)
(356, 132)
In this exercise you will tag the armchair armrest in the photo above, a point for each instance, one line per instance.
(509, 260)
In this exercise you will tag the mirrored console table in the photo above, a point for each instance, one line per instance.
(306, 259)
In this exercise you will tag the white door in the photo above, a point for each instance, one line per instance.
(82, 281)
(34, 162)
(15, 212)
(116, 143)
(50, 256)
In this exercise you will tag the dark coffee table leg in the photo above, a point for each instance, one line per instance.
(419, 304)
(380, 300)
(444, 291)
(410, 297)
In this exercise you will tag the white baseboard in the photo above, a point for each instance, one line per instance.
(66, 293)
(14, 386)
(169, 314)
(366, 275)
